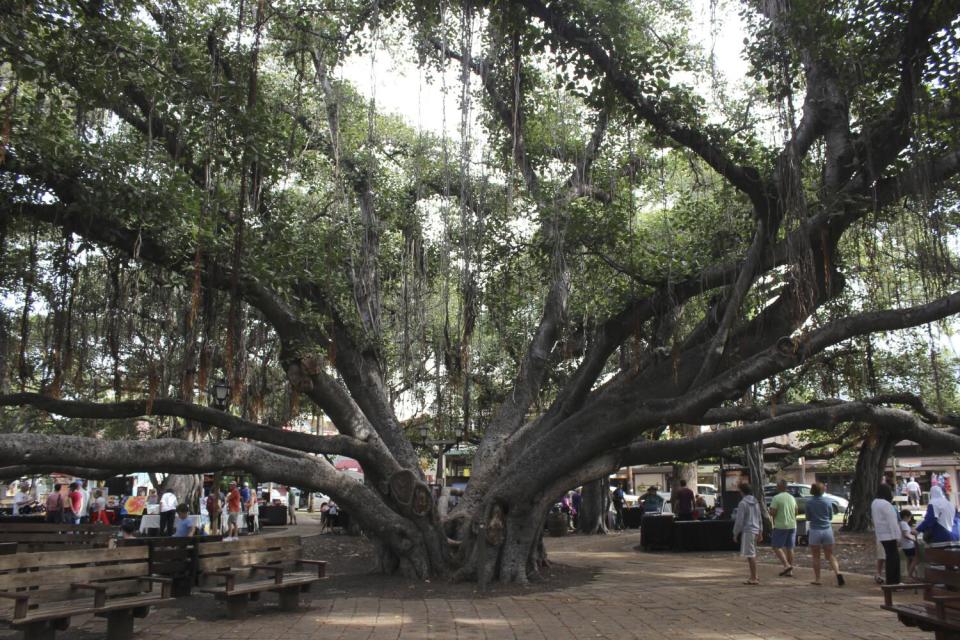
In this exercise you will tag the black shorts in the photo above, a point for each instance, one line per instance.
(910, 552)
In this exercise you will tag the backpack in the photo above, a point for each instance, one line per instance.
(213, 505)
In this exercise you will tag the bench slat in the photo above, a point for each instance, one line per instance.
(246, 558)
(74, 557)
(58, 576)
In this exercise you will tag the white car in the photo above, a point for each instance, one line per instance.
(709, 494)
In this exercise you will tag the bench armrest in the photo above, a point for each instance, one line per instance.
(888, 590)
(941, 603)
(21, 604)
(277, 571)
(229, 577)
(165, 584)
(100, 592)
(321, 566)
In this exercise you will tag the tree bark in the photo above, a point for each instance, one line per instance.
(593, 507)
(869, 474)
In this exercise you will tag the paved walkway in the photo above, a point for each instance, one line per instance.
(632, 595)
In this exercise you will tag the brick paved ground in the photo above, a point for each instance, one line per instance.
(633, 595)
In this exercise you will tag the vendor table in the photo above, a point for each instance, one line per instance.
(704, 535)
(656, 531)
(273, 516)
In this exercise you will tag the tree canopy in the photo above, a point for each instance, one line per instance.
(615, 239)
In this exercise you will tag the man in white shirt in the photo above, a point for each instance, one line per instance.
(168, 512)
(913, 492)
(85, 505)
(22, 498)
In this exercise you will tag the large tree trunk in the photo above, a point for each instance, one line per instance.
(593, 507)
(871, 463)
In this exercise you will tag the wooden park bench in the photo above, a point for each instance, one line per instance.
(939, 612)
(174, 558)
(233, 571)
(45, 536)
(41, 592)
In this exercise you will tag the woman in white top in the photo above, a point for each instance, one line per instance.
(886, 526)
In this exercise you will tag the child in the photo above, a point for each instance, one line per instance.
(184, 526)
(908, 541)
(749, 527)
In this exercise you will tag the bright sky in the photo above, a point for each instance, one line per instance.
(400, 88)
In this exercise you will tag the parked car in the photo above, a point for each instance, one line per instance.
(802, 493)
(709, 493)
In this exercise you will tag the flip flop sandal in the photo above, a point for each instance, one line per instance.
(817, 583)
(751, 582)
(878, 579)
(787, 573)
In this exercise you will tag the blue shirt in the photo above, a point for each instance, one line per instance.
(244, 495)
(183, 527)
(819, 512)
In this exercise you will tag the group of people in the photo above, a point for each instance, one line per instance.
(913, 491)
(895, 530)
(748, 530)
(73, 504)
(240, 501)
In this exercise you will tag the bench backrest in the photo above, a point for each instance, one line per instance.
(247, 551)
(172, 557)
(46, 576)
(44, 536)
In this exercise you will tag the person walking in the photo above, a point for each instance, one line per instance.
(75, 500)
(576, 501)
(168, 512)
(233, 512)
(84, 515)
(618, 499)
(253, 513)
(214, 508)
(292, 505)
(98, 509)
(939, 523)
(682, 502)
(783, 508)
(819, 512)
(54, 506)
(886, 527)
(748, 528)
(913, 492)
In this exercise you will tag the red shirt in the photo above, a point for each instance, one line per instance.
(76, 501)
(233, 501)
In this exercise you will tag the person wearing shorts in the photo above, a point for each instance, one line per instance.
(819, 513)
(783, 539)
(748, 527)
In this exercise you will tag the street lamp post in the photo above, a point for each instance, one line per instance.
(439, 448)
(220, 395)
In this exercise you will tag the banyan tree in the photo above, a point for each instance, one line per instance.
(594, 241)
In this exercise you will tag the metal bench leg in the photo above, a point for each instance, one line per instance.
(38, 631)
(237, 606)
(290, 599)
(119, 625)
